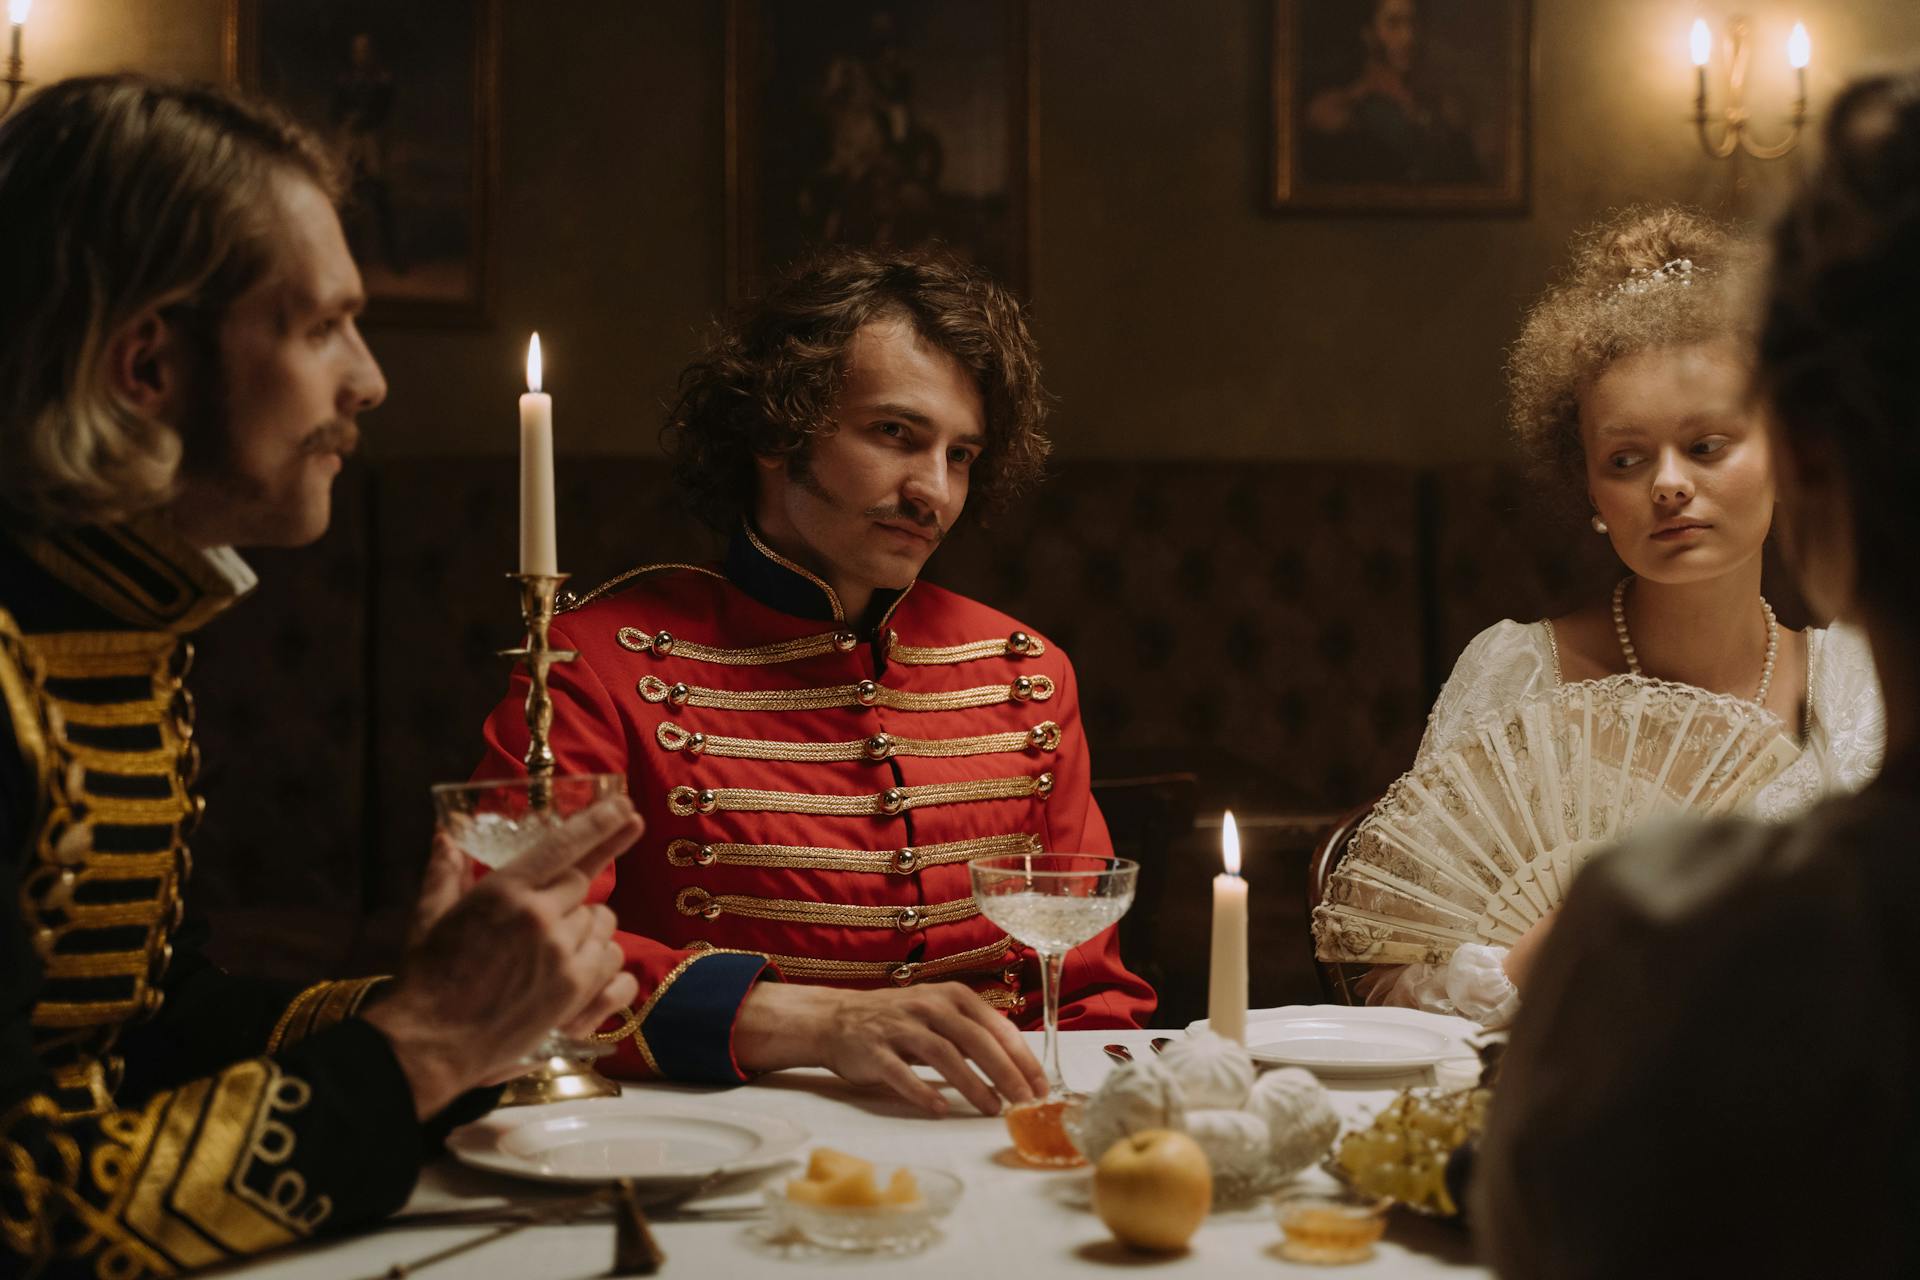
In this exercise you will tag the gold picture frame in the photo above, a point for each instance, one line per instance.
(408, 97)
(1400, 106)
(867, 123)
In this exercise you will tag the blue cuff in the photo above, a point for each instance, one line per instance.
(690, 1027)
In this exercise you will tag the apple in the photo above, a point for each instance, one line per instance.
(1153, 1189)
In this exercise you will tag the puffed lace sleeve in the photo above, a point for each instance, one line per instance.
(1499, 667)
(1849, 717)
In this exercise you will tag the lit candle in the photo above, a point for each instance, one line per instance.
(1700, 44)
(1799, 54)
(537, 553)
(1227, 983)
(17, 11)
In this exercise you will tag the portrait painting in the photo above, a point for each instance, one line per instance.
(1401, 105)
(404, 94)
(898, 123)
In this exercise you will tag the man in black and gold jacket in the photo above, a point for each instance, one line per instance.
(181, 373)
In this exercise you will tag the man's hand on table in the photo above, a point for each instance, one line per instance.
(492, 968)
(876, 1037)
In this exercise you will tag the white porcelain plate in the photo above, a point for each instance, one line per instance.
(651, 1139)
(1357, 1041)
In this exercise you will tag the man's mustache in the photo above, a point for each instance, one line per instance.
(340, 437)
(925, 519)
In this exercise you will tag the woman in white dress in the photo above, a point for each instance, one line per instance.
(1718, 1069)
(1631, 397)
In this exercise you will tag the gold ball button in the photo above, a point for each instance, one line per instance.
(845, 641)
(905, 860)
(903, 975)
(909, 919)
(678, 693)
(696, 743)
(708, 801)
(879, 746)
(866, 693)
(1043, 785)
(1023, 688)
(893, 800)
(662, 642)
(1019, 642)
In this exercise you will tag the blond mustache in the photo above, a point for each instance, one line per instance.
(336, 437)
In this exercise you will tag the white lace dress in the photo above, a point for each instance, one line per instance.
(1843, 737)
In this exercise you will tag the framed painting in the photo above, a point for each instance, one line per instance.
(407, 95)
(1402, 106)
(868, 122)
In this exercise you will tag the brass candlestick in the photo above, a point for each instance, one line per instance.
(537, 593)
(564, 1076)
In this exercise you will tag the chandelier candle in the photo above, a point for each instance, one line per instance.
(1227, 982)
(537, 552)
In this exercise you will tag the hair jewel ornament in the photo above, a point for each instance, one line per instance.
(1678, 271)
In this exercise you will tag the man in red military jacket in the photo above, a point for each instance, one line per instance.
(818, 744)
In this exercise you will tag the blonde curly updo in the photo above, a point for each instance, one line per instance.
(1644, 278)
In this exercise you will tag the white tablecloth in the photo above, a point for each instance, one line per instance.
(1010, 1221)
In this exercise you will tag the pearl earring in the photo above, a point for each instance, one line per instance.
(1599, 525)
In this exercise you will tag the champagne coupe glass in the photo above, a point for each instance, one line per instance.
(495, 822)
(1053, 902)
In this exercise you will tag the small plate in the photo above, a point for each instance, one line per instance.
(880, 1229)
(651, 1139)
(1354, 1040)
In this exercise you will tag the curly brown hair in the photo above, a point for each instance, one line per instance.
(1610, 304)
(1839, 356)
(768, 380)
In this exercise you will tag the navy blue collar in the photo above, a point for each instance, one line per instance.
(779, 583)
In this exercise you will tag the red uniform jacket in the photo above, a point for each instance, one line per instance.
(812, 794)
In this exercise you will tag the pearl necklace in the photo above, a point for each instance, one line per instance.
(1633, 659)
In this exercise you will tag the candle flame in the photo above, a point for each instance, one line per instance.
(1701, 42)
(1799, 47)
(1230, 844)
(17, 11)
(533, 363)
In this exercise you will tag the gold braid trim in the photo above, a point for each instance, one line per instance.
(903, 861)
(631, 1019)
(320, 1006)
(570, 602)
(711, 906)
(833, 597)
(684, 802)
(1017, 645)
(878, 747)
(196, 1177)
(211, 1184)
(866, 693)
(1005, 1001)
(903, 973)
(662, 643)
(19, 678)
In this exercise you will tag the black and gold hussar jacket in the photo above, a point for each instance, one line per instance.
(156, 1113)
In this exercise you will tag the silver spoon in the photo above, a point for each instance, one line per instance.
(1118, 1052)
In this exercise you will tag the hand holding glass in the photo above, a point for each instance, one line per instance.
(496, 822)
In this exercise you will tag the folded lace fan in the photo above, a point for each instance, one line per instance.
(1483, 838)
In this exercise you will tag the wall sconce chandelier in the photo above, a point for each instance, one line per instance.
(1735, 119)
(16, 19)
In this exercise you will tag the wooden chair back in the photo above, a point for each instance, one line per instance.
(1337, 981)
